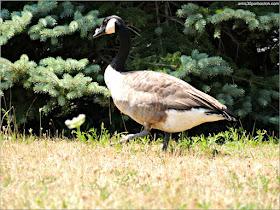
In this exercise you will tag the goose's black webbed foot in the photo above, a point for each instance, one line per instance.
(131, 136)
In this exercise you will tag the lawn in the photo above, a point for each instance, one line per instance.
(230, 170)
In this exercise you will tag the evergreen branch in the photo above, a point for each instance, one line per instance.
(52, 77)
(273, 108)
(130, 28)
(40, 8)
(66, 78)
(210, 62)
(52, 5)
(9, 65)
(173, 19)
(12, 24)
(39, 80)
(251, 81)
(161, 64)
(242, 14)
(234, 40)
(27, 17)
(77, 79)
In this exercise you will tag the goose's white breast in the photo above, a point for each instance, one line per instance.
(114, 82)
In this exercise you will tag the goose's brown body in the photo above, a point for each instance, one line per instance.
(153, 99)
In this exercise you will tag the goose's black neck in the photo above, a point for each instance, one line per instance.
(119, 61)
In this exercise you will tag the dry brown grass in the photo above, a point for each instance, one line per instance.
(67, 174)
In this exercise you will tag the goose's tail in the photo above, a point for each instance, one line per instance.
(224, 113)
(229, 115)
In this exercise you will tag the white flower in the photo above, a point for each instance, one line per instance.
(30, 130)
(76, 121)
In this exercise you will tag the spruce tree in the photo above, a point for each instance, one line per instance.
(63, 80)
(252, 95)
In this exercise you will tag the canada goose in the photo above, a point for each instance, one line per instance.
(153, 99)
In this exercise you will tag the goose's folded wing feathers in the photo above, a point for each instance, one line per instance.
(173, 93)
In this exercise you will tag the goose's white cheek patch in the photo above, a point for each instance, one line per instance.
(110, 27)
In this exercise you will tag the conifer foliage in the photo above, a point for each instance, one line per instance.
(200, 64)
(251, 94)
(198, 17)
(50, 61)
(61, 79)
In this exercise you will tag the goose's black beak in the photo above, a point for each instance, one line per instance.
(98, 32)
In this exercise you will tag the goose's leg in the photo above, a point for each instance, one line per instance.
(132, 136)
(166, 140)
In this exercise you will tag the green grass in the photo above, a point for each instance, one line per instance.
(228, 170)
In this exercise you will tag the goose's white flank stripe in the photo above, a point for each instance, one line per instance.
(178, 120)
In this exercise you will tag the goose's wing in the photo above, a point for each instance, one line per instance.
(172, 92)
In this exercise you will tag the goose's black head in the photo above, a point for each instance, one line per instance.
(111, 24)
